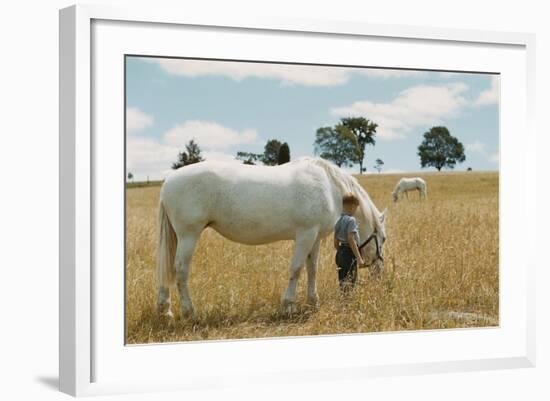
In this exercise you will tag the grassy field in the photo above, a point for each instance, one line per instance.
(441, 271)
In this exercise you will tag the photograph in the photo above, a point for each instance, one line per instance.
(267, 199)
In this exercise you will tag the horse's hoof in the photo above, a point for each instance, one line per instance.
(167, 316)
(188, 313)
(313, 301)
(289, 308)
(164, 312)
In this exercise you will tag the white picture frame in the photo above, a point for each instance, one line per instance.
(80, 183)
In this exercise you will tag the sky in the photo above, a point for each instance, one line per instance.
(231, 106)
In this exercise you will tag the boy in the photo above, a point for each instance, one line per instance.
(346, 243)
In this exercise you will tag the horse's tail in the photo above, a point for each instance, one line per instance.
(166, 250)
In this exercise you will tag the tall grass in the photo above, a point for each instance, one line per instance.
(441, 271)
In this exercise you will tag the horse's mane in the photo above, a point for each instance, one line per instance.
(347, 183)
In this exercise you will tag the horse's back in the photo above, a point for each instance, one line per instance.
(236, 199)
(411, 180)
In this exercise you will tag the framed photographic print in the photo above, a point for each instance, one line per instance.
(290, 198)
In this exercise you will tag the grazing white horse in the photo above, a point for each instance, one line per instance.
(299, 201)
(410, 184)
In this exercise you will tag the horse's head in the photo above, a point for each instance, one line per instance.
(394, 196)
(372, 245)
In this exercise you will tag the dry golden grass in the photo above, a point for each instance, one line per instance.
(441, 271)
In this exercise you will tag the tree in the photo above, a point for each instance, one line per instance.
(284, 154)
(130, 176)
(270, 157)
(378, 165)
(248, 158)
(271, 152)
(330, 145)
(440, 149)
(182, 160)
(360, 131)
(190, 156)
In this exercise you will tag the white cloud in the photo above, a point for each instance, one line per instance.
(288, 74)
(418, 105)
(491, 95)
(137, 120)
(208, 135)
(476, 146)
(479, 147)
(149, 157)
(388, 73)
(152, 158)
(221, 157)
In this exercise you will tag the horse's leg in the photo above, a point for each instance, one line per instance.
(184, 252)
(302, 248)
(312, 259)
(163, 303)
(407, 194)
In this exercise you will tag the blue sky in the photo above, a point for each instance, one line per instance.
(237, 106)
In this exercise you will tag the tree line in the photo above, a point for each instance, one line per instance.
(345, 144)
(275, 153)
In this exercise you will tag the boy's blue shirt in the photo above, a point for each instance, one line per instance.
(346, 224)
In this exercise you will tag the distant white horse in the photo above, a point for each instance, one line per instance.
(410, 184)
(299, 201)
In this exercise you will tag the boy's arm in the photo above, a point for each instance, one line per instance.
(336, 242)
(355, 249)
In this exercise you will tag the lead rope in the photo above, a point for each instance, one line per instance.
(364, 244)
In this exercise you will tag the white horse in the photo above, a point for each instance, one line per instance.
(299, 201)
(410, 184)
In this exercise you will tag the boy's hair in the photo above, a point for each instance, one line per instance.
(350, 199)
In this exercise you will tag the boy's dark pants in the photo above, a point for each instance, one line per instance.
(347, 267)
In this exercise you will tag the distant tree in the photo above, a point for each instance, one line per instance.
(331, 145)
(248, 158)
(284, 154)
(130, 176)
(191, 155)
(361, 132)
(193, 152)
(182, 160)
(440, 149)
(378, 165)
(271, 152)
(270, 157)
(469, 169)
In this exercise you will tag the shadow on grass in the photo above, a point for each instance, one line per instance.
(197, 328)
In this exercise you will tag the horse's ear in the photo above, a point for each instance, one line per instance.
(383, 216)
